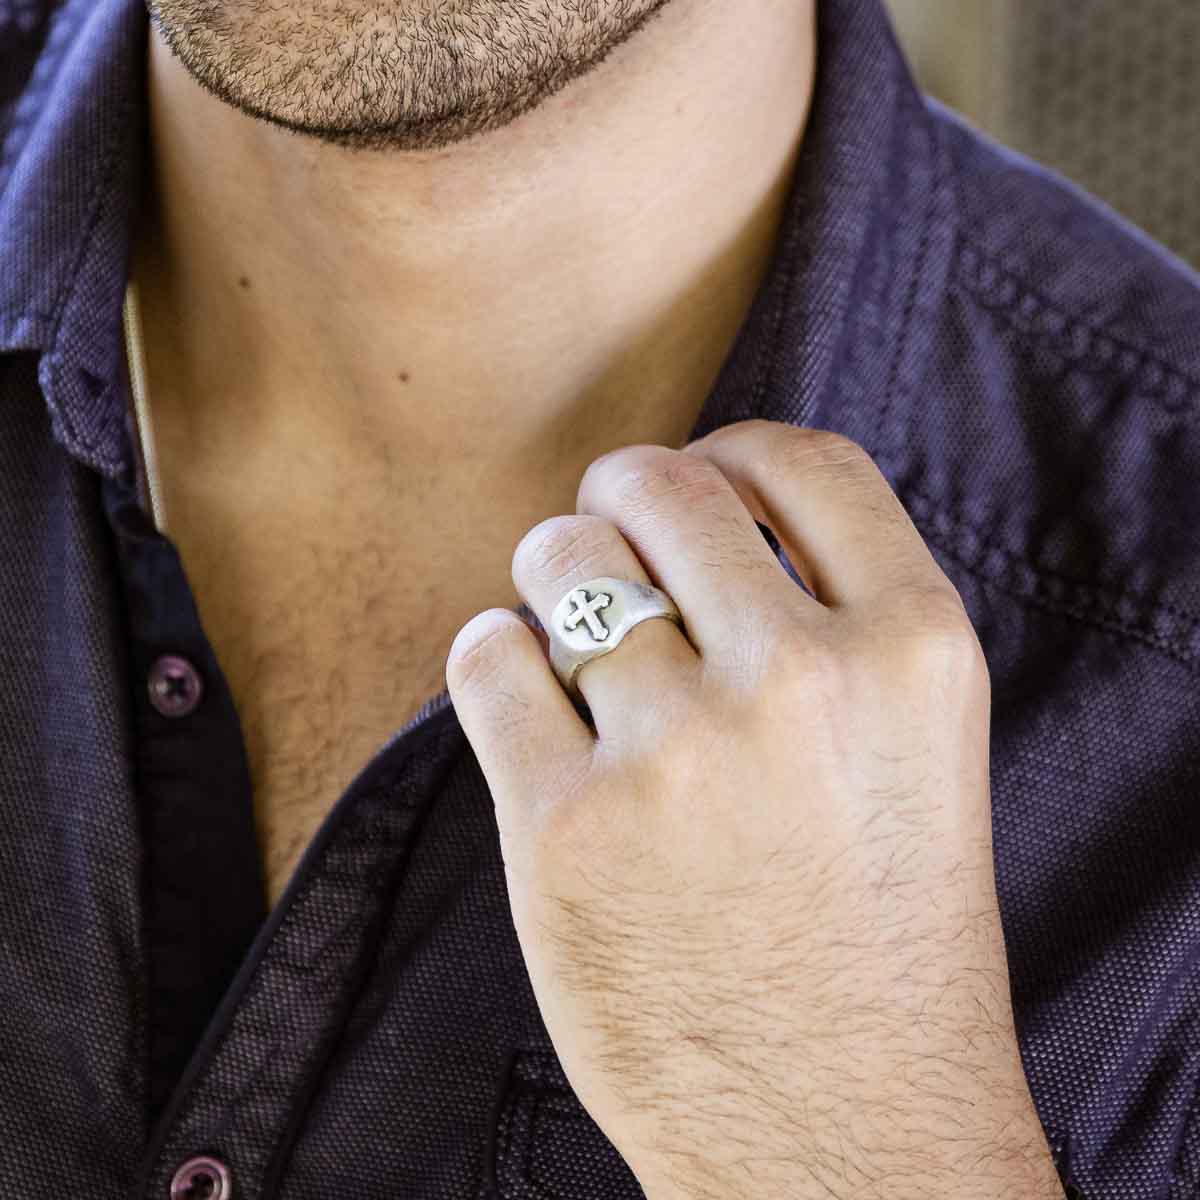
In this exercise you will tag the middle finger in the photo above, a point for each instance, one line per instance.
(697, 541)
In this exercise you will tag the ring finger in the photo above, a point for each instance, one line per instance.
(631, 688)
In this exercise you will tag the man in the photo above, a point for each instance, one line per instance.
(431, 300)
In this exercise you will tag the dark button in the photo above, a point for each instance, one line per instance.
(175, 685)
(202, 1178)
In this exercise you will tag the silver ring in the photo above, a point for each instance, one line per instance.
(593, 617)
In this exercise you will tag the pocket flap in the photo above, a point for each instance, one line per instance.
(544, 1143)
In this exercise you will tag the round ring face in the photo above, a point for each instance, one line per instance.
(596, 613)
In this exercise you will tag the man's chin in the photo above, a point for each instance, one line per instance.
(411, 82)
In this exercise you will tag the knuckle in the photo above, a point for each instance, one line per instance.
(559, 545)
(641, 484)
(935, 608)
(799, 448)
(946, 667)
(938, 638)
(957, 649)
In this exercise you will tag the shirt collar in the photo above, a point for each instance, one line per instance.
(68, 200)
(853, 256)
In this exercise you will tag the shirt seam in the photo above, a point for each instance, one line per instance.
(1147, 604)
(765, 366)
(937, 181)
(1081, 600)
(1004, 292)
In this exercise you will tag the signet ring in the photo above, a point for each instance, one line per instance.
(593, 617)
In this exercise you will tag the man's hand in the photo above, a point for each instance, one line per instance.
(757, 904)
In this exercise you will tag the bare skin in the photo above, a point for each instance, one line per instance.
(380, 351)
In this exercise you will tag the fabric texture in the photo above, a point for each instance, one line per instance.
(1025, 368)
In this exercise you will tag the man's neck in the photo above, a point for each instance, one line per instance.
(537, 295)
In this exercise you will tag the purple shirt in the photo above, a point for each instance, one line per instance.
(1025, 368)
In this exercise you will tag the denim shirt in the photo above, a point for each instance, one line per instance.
(1025, 368)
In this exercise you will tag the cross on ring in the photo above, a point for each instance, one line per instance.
(585, 610)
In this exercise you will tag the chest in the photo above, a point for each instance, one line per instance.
(328, 650)
(319, 693)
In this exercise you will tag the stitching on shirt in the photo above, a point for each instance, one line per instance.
(530, 1140)
(1093, 602)
(764, 367)
(506, 1129)
(910, 299)
(1112, 593)
(1087, 609)
(515, 1134)
(570, 1122)
(1003, 292)
(497, 1127)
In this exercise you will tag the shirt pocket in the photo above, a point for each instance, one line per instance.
(544, 1144)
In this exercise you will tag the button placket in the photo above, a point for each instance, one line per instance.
(260, 1067)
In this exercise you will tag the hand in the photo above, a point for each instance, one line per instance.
(757, 903)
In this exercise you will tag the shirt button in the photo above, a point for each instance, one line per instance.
(175, 685)
(202, 1178)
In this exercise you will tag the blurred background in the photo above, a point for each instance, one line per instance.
(1105, 91)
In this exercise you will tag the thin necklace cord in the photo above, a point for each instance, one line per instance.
(136, 355)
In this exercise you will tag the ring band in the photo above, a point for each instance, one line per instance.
(593, 617)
